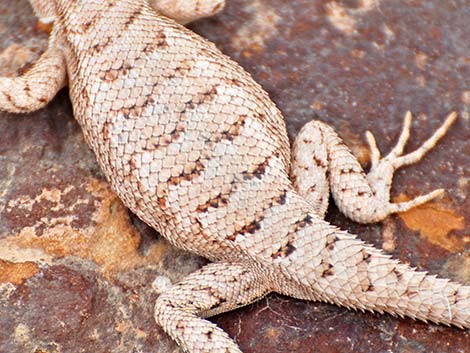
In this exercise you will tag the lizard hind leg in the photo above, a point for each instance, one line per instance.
(216, 288)
(363, 198)
(185, 11)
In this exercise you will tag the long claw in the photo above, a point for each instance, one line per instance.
(415, 156)
(405, 206)
(374, 150)
(403, 139)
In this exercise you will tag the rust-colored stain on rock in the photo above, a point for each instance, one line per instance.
(112, 243)
(17, 272)
(435, 221)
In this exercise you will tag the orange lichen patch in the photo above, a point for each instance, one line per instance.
(434, 221)
(17, 272)
(317, 105)
(112, 242)
(272, 333)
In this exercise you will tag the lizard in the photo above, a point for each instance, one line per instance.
(196, 148)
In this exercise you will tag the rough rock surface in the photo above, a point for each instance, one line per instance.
(77, 269)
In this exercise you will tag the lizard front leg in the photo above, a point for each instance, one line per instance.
(321, 161)
(35, 88)
(216, 288)
(184, 11)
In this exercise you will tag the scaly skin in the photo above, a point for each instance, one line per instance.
(197, 150)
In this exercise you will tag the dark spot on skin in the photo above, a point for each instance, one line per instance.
(169, 76)
(397, 273)
(307, 141)
(312, 188)
(211, 92)
(176, 132)
(133, 17)
(86, 26)
(345, 171)
(105, 131)
(125, 69)
(205, 97)
(410, 293)
(132, 163)
(190, 105)
(281, 199)
(290, 249)
(331, 239)
(318, 161)
(180, 69)
(329, 271)
(97, 48)
(260, 117)
(362, 193)
(219, 302)
(195, 171)
(162, 201)
(158, 42)
(284, 251)
(366, 256)
(216, 202)
(370, 288)
(258, 172)
(85, 95)
(233, 131)
(303, 223)
(250, 228)
(453, 297)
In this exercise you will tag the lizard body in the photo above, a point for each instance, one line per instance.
(195, 147)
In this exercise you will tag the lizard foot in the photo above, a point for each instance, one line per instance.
(322, 162)
(381, 172)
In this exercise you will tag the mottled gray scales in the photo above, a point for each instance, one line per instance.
(195, 147)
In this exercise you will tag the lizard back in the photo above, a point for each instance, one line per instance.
(181, 131)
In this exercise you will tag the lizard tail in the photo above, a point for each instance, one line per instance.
(334, 266)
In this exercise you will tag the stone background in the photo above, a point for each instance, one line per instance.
(76, 268)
